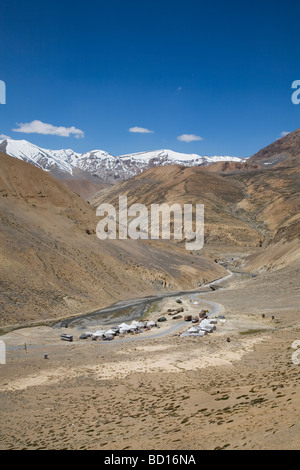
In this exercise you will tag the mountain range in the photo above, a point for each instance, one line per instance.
(67, 165)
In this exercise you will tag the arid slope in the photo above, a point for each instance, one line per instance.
(177, 184)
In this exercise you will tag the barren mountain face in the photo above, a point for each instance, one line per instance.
(245, 209)
(282, 152)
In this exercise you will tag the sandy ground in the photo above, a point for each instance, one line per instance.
(157, 390)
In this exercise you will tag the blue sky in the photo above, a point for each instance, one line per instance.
(218, 72)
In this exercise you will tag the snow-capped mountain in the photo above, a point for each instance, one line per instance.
(169, 157)
(100, 163)
(65, 160)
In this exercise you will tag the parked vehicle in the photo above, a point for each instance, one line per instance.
(66, 337)
(83, 336)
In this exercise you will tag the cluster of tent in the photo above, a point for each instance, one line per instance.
(205, 326)
(123, 328)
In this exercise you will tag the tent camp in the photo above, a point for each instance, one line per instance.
(194, 331)
(134, 326)
(205, 326)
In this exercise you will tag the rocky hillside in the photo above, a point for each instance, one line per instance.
(177, 184)
(282, 152)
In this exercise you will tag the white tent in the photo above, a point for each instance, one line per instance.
(207, 325)
(139, 324)
(98, 333)
(124, 330)
(201, 333)
(150, 323)
(132, 327)
(193, 330)
(109, 333)
(209, 328)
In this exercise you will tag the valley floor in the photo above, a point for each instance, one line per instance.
(163, 392)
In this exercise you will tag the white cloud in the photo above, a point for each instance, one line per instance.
(284, 133)
(3, 136)
(189, 137)
(140, 130)
(39, 127)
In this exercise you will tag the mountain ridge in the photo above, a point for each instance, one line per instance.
(101, 164)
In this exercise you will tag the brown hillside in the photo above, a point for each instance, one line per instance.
(282, 152)
(272, 201)
(231, 167)
(81, 182)
(175, 184)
